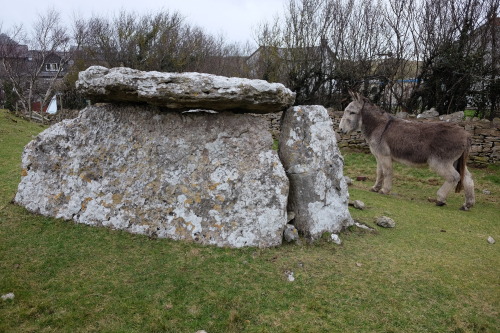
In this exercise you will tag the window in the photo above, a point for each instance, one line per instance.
(54, 67)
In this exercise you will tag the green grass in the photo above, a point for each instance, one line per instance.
(434, 272)
(469, 113)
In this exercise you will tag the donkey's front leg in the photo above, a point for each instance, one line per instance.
(380, 177)
(386, 166)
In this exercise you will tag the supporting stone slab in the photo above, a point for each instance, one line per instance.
(207, 178)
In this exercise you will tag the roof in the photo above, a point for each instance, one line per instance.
(287, 52)
(4, 39)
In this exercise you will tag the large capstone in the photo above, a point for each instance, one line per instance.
(207, 178)
(318, 190)
(183, 91)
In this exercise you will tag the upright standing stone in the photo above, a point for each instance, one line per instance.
(318, 190)
(208, 178)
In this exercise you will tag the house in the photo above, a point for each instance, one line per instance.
(53, 63)
(275, 63)
(28, 73)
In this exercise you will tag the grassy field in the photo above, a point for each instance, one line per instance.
(434, 272)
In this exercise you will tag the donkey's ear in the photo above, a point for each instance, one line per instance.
(356, 96)
(353, 95)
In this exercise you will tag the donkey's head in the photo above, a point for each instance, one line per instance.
(351, 120)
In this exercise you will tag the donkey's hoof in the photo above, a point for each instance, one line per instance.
(436, 201)
(374, 189)
(465, 208)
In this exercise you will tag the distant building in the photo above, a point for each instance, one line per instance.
(21, 63)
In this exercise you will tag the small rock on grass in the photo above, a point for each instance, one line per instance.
(336, 239)
(8, 296)
(385, 222)
(491, 240)
(363, 226)
(290, 234)
(358, 204)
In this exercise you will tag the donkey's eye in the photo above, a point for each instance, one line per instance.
(352, 113)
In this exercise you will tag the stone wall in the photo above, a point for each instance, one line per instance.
(485, 136)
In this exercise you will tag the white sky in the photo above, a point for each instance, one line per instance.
(234, 19)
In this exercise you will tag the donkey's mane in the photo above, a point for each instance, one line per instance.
(373, 116)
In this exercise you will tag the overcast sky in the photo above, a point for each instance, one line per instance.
(234, 19)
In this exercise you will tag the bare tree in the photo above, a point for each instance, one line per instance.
(398, 67)
(323, 47)
(13, 70)
(162, 41)
(405, 54)
(294, 49)
(453, 49)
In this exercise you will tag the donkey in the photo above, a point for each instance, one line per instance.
(443, 146)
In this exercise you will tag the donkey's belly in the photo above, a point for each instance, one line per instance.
(408, 153)
(409, 162)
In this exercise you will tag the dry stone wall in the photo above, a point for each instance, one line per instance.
(485, 141)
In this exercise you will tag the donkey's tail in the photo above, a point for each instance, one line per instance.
(461, 165)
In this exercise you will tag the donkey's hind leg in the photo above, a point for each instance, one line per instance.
(451, 178)
(469, 190)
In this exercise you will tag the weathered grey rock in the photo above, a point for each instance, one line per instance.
(491, 240)
(453, 117)
(291, 233)
(385, 222)
(402, 115)
(312, 160)
(432, 113)
(208, 178)
(181, 91)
